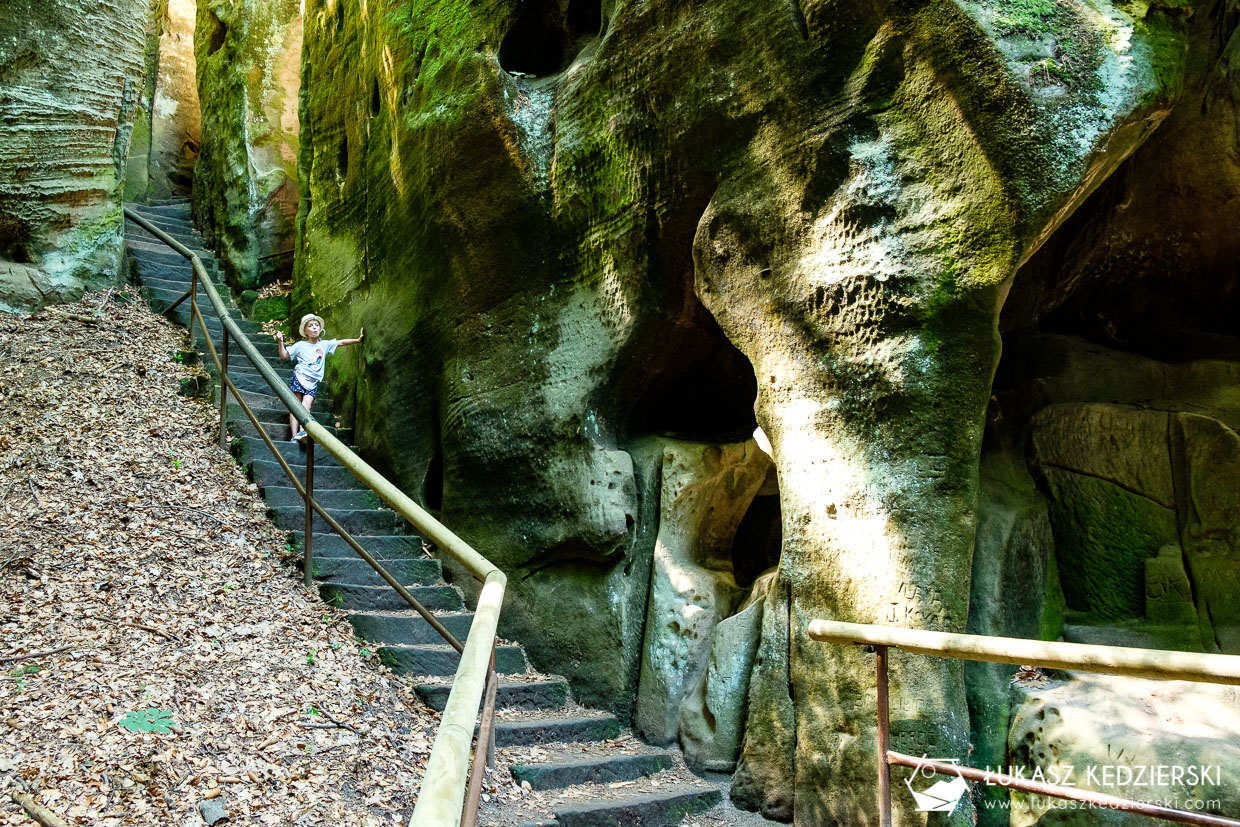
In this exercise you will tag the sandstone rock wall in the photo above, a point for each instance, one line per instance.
(248, 60)
(176, 118)
(70, 78)
(558, 216)
(167, 121)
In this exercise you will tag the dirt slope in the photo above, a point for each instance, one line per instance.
(141, 588)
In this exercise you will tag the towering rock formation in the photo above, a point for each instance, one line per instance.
(70, 78)
(574, 224)
(248, 58)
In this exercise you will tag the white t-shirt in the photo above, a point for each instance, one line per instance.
(311, 359)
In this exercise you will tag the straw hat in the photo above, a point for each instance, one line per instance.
(307, 319)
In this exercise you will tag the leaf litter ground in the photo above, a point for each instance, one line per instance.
(155, 651)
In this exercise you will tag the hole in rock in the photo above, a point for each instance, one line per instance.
(376, 101)
(13, 236)
(585, 17)
(339, 16)
(536, 42)
(758, 540)
(219, 33)
(342, 159)
(709, 398)
(433, 485)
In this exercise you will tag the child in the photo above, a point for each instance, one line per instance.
(311, 355)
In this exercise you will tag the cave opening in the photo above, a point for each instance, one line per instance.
(219, 33)
(432, 487)
(701, 389)
(376, 100)
(759, 538)
(536, 42)
(13, 236)
(585, 17)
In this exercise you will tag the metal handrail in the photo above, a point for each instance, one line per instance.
(1112, 660)
(442, 798)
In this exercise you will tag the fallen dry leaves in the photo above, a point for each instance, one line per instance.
(140, 581)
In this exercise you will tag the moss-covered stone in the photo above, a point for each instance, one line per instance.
(273, 308)
(71, 96)
(245, 184)
(833, 198)
(246, 302)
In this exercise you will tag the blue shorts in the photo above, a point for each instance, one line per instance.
(296, 387)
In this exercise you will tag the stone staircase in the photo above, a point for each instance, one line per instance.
(558, 763)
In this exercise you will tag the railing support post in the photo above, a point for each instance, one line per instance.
(307, 542)
(489, 706)
(224, 392)
(193, 305)
(884, 740)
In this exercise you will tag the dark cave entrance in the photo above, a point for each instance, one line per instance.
(704, 391)
(544, 37)
(1113, 351)
(759, 538)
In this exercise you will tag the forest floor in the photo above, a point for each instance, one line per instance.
(157, 653)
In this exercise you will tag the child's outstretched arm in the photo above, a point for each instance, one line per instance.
(280, 339)
(361, 335)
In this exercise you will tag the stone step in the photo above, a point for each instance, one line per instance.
(266, 472)
(175, 288)
(266, 348)
(160, 298)
(354, 520)
(273, 416)
(285, 496)
(260, 396)
(554, 728)
(565, 769)
(155, 251)
(442, 659)
(276, 426)
(665, 805)
(177, 277)
(355, 570)
(169, 208)
(239, 364)
(181, 316)
(381, 547)
(166, 223)
(545, 693)
(173, 276)
(384, 598)
(254, 382)
(408, 628)
(190, 239)
(249, 448)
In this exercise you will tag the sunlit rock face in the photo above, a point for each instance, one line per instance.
(705, 492)
(248, 59)
(70, 78)
(168, 122)
(176, 118)
(573, 227)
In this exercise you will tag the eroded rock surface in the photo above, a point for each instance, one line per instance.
(1164, 741)
(705, 493)
(1134, 456)
(561, 218)
(70, 77)
(248, 58)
